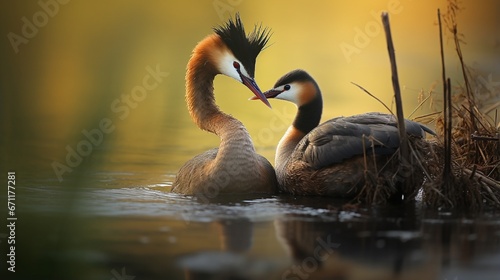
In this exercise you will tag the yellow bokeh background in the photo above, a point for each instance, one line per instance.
(89, 53)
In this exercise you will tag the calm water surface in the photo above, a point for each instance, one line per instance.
(115, 227)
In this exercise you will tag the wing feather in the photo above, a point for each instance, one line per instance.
(342, 138)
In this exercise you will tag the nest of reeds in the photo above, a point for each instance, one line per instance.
(460, 168)
(473, 179)
(397, 179)
(474, 166)
(468, 144)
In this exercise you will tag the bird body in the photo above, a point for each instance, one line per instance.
(331, 159)
(234, 167)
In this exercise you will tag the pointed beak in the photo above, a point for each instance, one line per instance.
(252, 85)
(272, 93)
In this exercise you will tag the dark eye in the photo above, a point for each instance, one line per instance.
(236, 65)
(287, 87)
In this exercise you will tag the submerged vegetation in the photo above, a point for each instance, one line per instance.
(461, 165)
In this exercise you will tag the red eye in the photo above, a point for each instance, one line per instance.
(236, 65)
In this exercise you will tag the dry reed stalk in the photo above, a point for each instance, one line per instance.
(403, 138)
(441, 168)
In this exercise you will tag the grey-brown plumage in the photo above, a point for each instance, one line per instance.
(329, 159)
(234, 167)
(342, 138)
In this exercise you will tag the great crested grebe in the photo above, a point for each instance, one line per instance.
(329, 159)
(234, 167)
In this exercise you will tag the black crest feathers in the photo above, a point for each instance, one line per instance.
(245, 48)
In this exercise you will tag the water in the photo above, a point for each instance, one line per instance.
(147, 232)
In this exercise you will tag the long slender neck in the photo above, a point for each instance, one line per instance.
(200, 98)
(307, 118)
(202, 108)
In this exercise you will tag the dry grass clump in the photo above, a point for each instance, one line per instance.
(397, 179)
(474, 176)
(473, 182)
(460, 167)
(468, 145)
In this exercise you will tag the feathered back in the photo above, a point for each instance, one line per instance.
(342, 138)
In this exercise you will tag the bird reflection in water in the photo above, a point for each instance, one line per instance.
(233, 260)
(397, 242)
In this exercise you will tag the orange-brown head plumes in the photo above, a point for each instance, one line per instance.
(234, 167)
(244, 48)
(229, 52)
(232, 53)
(238, 60)
(300, 88)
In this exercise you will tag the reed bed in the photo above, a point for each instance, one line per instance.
(460, 166)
